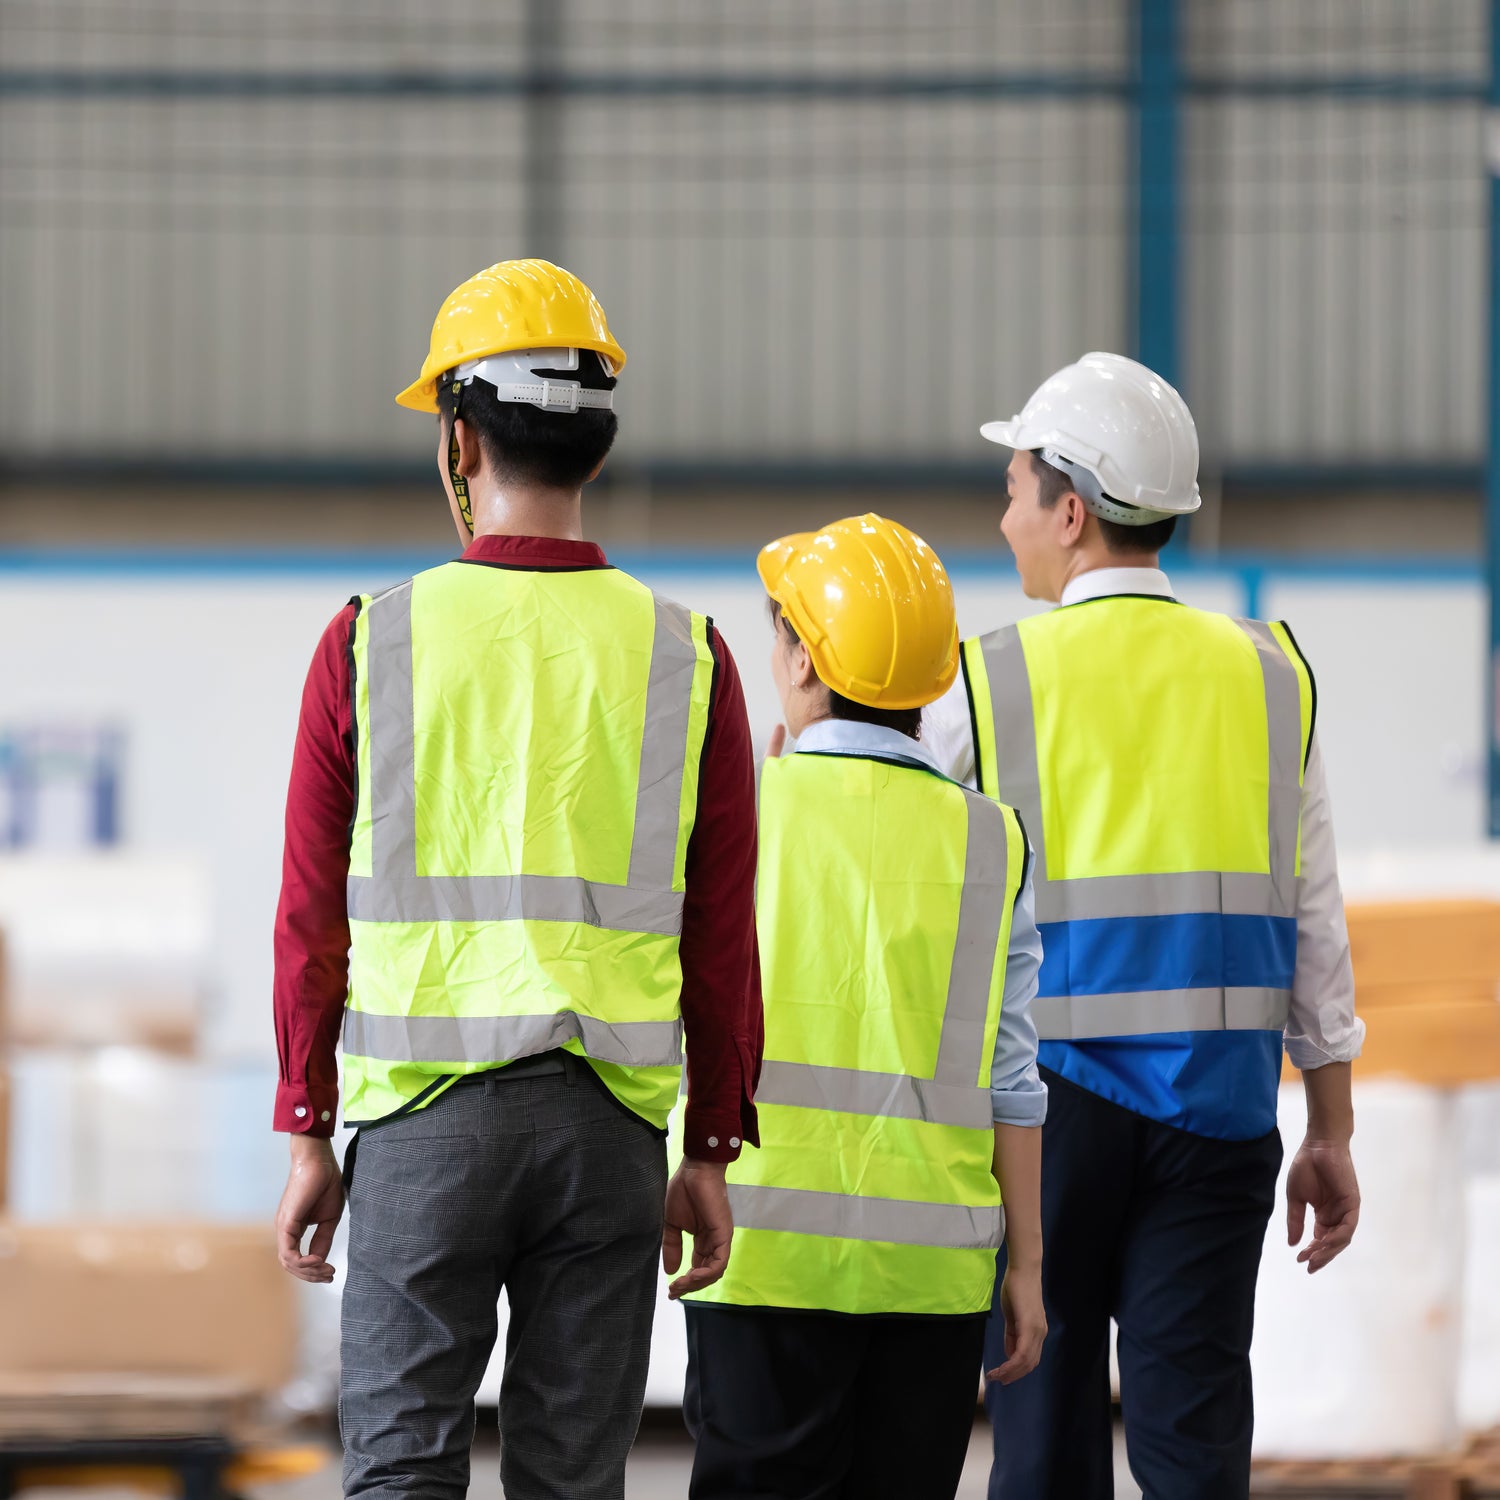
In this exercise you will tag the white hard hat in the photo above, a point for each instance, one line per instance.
(1122, 435)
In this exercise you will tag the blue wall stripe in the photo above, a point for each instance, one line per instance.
(1252, 572)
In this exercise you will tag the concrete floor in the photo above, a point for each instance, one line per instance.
(659, 1469)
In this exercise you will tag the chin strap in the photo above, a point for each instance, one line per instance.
(460, 484)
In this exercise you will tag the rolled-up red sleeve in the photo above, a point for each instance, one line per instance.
(312, 920)
(721, 1001)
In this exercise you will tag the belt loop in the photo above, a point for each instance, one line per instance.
(570, 1069)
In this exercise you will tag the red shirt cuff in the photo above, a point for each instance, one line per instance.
(302, 1109)
(710, 1135)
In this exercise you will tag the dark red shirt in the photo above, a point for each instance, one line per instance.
(721, 1009)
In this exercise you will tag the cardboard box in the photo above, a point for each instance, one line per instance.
(203, 1300)
(1427, 982)
(1431, 943)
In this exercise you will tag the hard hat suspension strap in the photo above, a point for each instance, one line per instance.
(460, 484)
(1088, 488)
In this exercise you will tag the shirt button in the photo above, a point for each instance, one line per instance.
(734, 1140)
(299, 1111)
(325, 1116)
(713, 1140)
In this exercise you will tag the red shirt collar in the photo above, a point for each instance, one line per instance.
(535, 552)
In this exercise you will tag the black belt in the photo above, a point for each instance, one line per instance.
(539, 1065)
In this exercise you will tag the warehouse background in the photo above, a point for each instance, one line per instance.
(834, 239)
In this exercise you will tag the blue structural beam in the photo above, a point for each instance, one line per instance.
(1492, 463)
(1157, 257)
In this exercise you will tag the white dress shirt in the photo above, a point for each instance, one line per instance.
(1321, 1027)
(1017, 1094)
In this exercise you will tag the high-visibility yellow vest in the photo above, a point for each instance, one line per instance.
(884, 913)
(528, 748)
(1155, 753)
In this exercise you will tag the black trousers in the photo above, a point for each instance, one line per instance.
(538, 1182)
(1163, 1231)
(824, 1406)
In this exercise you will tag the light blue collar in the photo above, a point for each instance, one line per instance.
(850, 737)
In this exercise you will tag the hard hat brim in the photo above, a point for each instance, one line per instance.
(1003, 433)
(421, 395)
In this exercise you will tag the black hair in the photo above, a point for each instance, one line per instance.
(1053, 484)
(524, 444)
(907, 720)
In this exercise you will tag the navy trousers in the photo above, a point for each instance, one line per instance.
(1161, 1230)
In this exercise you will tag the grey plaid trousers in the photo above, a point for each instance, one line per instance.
(539, 1182)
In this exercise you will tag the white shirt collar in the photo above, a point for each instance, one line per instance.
(1106, 583)
(850, 737)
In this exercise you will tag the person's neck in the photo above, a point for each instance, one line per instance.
(1093, 559)
(529, 511)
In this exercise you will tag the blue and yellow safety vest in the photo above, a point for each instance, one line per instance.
(1156, 753)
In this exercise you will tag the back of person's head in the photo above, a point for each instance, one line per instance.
(526, 445)
(907, 720)
(871, 604)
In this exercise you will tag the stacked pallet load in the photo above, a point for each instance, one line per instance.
(1379, 1376)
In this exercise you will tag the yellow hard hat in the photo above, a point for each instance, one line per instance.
(515, 304)
(872, 603)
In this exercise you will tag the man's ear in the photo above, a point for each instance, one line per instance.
(1073, 517)
(470, 455)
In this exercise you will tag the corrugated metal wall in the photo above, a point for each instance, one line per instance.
(846, 272)
(1335, 230)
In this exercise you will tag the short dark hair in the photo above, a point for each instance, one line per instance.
(1053, 484)
(907, 721)
(524, 444)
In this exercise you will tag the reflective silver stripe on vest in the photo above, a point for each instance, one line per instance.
(852, 1092)
(515, 898)
(486, 1039)
(395, 892)
(954, 1095)
(669, 707)
(892, 1221)
(1067, 1018)
(1157, 896)
(1284, 732)
(1019, 783)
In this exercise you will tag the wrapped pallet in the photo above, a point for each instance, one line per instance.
(1362, 1359)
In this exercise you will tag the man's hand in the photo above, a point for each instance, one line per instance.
(314, 1196)
(697, 1204)
(777, 742)
(1322, 1176)
(1025, 1324)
